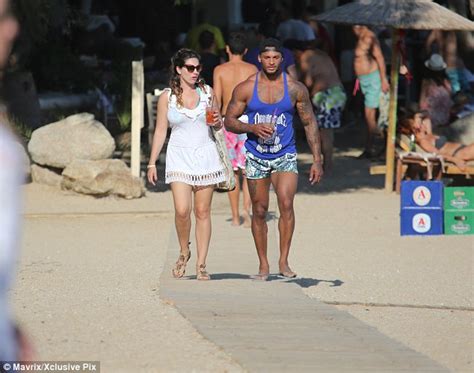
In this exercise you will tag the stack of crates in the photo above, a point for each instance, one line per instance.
(421, 208)
(459, 210)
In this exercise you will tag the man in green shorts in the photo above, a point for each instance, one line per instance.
(369, 66)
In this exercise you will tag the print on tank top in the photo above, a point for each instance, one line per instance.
(273, 143)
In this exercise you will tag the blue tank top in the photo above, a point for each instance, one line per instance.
(283, 139)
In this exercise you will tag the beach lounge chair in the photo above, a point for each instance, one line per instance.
(410, 162)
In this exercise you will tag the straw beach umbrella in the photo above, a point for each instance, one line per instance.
(399, 15)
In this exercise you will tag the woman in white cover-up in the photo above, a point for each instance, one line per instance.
(193, 166)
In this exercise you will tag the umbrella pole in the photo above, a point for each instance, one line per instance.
(392, 123)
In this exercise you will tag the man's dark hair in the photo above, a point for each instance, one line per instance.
(237, 43)
(206, 39)
(267, 29)
(270, 44)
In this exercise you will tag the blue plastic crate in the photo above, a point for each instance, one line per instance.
(421, 222)
(421, 194)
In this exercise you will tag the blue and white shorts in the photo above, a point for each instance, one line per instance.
(257, 168)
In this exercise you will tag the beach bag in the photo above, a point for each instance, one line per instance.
(219, 139)
(229, 183)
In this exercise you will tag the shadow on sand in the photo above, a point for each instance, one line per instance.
(303, 282)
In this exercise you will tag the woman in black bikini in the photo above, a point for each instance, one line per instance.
(418, 123)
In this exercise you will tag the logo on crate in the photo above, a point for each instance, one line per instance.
(460, 202)
(421, 223)
(422, 196)
(460, 227)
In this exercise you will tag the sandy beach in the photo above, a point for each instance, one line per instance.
(88, 277)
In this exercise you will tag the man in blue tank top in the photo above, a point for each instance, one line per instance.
(269, 98)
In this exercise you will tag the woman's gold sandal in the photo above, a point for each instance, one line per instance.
(180, 267)
(202, 274)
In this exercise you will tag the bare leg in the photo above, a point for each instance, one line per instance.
(259, 193)
(372, 129)
(247, 203)
(202, 212)
(234, 201)
(285, 184)
(182, 197)
(467, 153)
(327, 140)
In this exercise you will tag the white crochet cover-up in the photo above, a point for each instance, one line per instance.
(192, 156)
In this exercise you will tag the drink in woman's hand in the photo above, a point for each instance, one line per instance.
(209, 115)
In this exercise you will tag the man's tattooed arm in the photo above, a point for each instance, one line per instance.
(306, 114)
(235, 109)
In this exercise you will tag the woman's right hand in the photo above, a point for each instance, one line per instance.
(152, 175)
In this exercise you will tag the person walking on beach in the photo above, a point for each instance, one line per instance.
(269, 98)
(193, 165)
(226, 78)
(369, 66)
(327, 95)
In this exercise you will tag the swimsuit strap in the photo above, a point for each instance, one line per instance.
(255, 87)
(458, 149)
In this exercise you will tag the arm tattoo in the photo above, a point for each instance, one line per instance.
(235, 109)
(305, 111)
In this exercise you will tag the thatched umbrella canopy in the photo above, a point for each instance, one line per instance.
(397, 14)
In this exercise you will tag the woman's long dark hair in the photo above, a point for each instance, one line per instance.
(178, 60)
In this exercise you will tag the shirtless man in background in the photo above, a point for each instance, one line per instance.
(226, 77)
(327, 96)
(369, 66)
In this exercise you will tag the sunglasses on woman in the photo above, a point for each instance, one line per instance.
(191, 68)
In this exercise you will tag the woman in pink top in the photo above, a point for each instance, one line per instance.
(435, 94)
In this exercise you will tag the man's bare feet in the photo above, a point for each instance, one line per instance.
(236, 222)
(285, 271)
(288, 273)
(260, 277)
(263, 273)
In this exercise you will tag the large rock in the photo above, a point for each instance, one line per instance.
(43, 175)
(76, 137)
(102, 178)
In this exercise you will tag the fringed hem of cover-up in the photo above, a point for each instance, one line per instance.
(212, 178)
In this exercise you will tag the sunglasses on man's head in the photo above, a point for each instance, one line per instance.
(191, 68)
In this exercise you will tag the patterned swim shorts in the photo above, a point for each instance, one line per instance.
(258, 168)
(236, 146)
(328, 107)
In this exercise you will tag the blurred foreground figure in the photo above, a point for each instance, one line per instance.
(13, 345)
